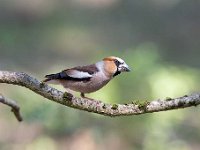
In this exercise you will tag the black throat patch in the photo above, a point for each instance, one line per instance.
(116, 73)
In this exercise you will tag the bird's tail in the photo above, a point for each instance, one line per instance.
(51, 78)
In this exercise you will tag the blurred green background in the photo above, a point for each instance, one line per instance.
(159, 40)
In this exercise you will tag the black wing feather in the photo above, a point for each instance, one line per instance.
(90, 69)
(63, 76)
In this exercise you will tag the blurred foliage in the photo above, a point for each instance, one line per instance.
(158, 39)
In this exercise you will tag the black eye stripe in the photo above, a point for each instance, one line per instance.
(117, 63)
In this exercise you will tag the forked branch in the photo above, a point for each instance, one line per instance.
(14, 107)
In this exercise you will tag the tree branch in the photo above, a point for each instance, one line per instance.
(96, 106)
(15, 108)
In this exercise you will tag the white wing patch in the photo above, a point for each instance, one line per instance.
(78, 74)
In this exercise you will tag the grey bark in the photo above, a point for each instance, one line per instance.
(96, 106)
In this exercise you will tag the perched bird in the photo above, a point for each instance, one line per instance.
(87, 79)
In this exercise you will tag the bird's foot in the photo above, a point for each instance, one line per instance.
(83, 96)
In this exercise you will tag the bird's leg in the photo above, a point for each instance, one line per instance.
(83, 96)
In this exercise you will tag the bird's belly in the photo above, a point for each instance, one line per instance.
(85, 86)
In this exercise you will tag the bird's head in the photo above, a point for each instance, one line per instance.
(115, 65)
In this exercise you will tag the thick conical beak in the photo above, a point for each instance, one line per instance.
(125, 68)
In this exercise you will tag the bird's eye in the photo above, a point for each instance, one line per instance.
(117, 63)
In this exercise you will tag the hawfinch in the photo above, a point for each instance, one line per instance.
(87, 79)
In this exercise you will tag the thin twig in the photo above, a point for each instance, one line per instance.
(14, 107)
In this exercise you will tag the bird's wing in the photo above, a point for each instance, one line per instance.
(76, 74)
(80, 73)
